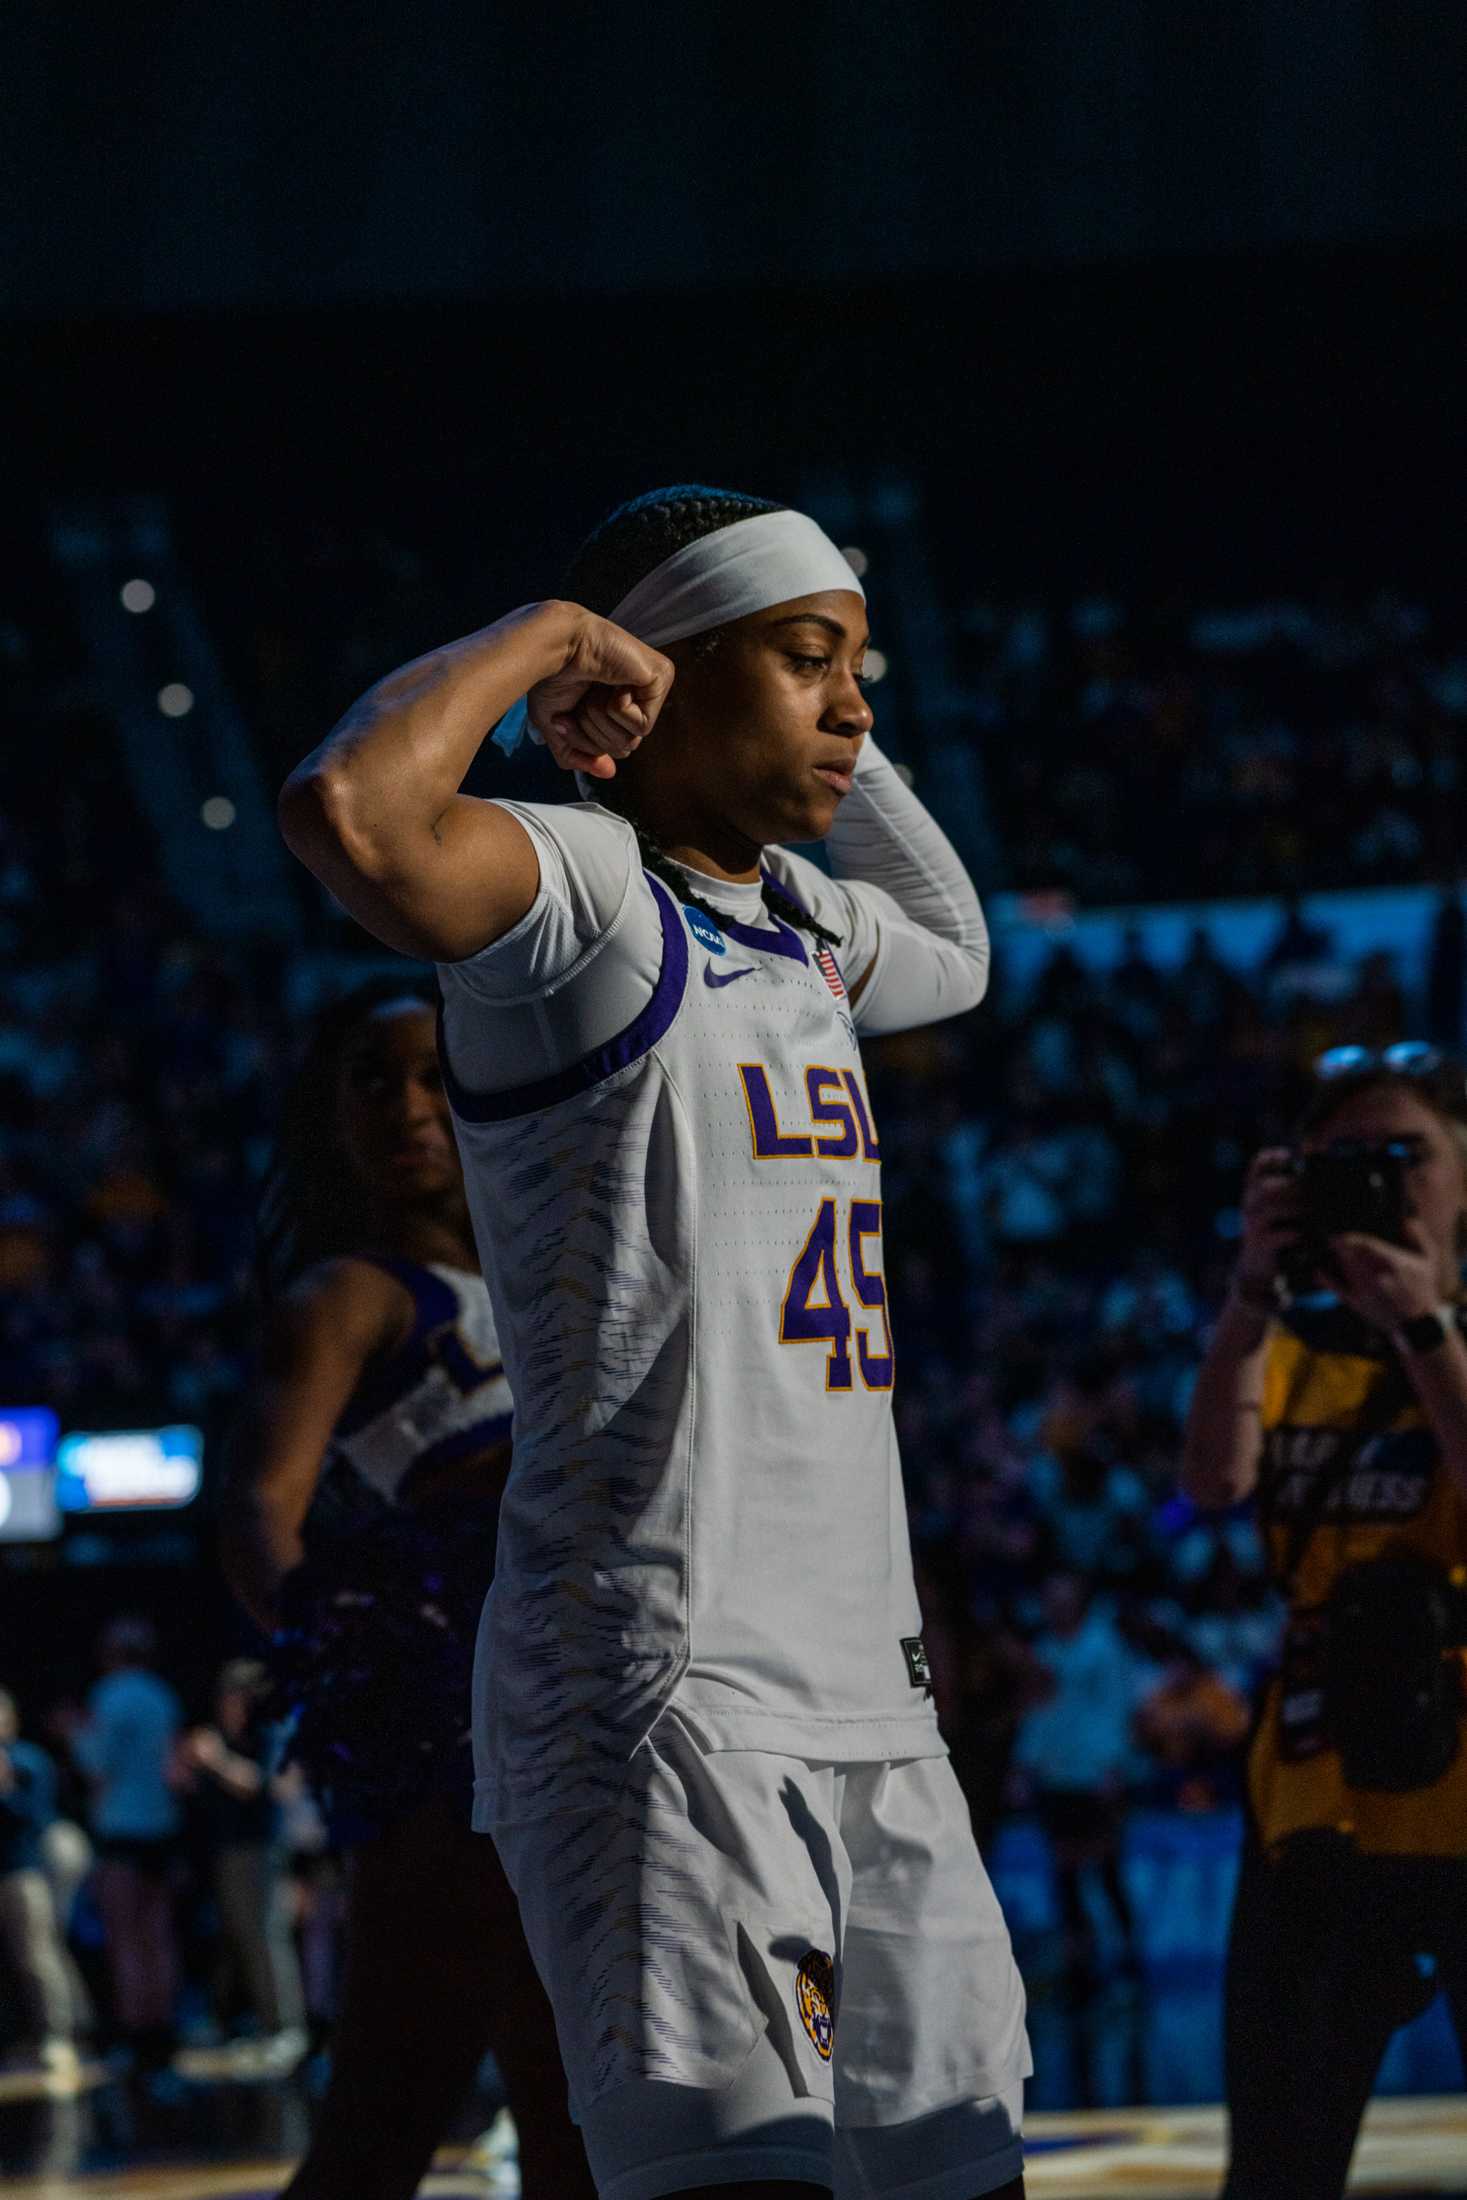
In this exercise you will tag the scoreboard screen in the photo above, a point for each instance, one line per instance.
(129, 1470)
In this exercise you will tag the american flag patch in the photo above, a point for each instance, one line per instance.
(830, 971)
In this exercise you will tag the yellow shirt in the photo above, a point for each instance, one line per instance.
(1395, 1493)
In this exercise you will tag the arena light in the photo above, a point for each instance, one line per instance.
(138, 595)
(129, 1470)
(27, 1437)
(877, 665)
(28, 1509)
(856, 559)
(175, 700)
(218, 813)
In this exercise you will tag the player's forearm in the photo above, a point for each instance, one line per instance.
(385, 775)
(933, 957)
(259, 1544)
(883, 835)
(1224, 1433)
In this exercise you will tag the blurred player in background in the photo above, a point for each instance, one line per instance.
(360, 1531)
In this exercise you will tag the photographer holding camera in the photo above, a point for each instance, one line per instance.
(1335, 1386)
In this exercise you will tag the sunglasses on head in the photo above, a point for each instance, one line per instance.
(1408, 1058)
(1415, 1060)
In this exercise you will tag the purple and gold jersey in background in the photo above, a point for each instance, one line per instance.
(440, 1397)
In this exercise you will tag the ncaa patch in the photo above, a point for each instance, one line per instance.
(815, 2000)
(829, 970)
(705, 931)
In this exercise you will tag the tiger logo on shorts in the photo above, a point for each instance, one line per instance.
(815, 2000)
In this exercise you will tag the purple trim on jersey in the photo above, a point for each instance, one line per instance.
(435, 1300)
(783, 886)
(493, 1429)
(379, 1391)
(783, 940)
(638, 1038)
(457, 1362)
(435, 1305)
(805, 910)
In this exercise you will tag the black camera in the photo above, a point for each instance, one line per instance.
(1352, 1184)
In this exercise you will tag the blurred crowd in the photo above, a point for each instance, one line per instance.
(1061, 1211)
(1061, 1214)
(1284, 745)
(136, 1081)
(1287, 745)
(1063, 1175)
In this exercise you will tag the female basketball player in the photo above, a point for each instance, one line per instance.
(360, 1530)
(703, 1734)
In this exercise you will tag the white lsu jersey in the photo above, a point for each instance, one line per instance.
(681, 1234)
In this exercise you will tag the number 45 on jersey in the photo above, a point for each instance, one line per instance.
(817, 1309)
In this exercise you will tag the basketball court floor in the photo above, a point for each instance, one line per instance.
(233, 2142)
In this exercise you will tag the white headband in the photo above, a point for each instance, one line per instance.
(744, 567)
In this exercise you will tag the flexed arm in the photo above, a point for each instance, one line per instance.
(376, 810)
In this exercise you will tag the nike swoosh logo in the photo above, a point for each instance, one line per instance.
(726, 977)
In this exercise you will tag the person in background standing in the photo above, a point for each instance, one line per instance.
(31, 1945)
(1334, 1394)
(125, 1744)
(1075, 1749)
(227, 1766)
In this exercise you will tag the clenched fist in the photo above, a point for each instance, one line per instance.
(605, 699)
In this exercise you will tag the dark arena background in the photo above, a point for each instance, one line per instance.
(1126, 344)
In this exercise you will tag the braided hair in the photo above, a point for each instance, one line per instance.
(312, 1206)
(623, 550)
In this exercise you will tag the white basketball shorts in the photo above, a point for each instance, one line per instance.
(763, 1966)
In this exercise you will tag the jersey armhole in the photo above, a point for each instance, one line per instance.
(636, 1038)
(387, 1365)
